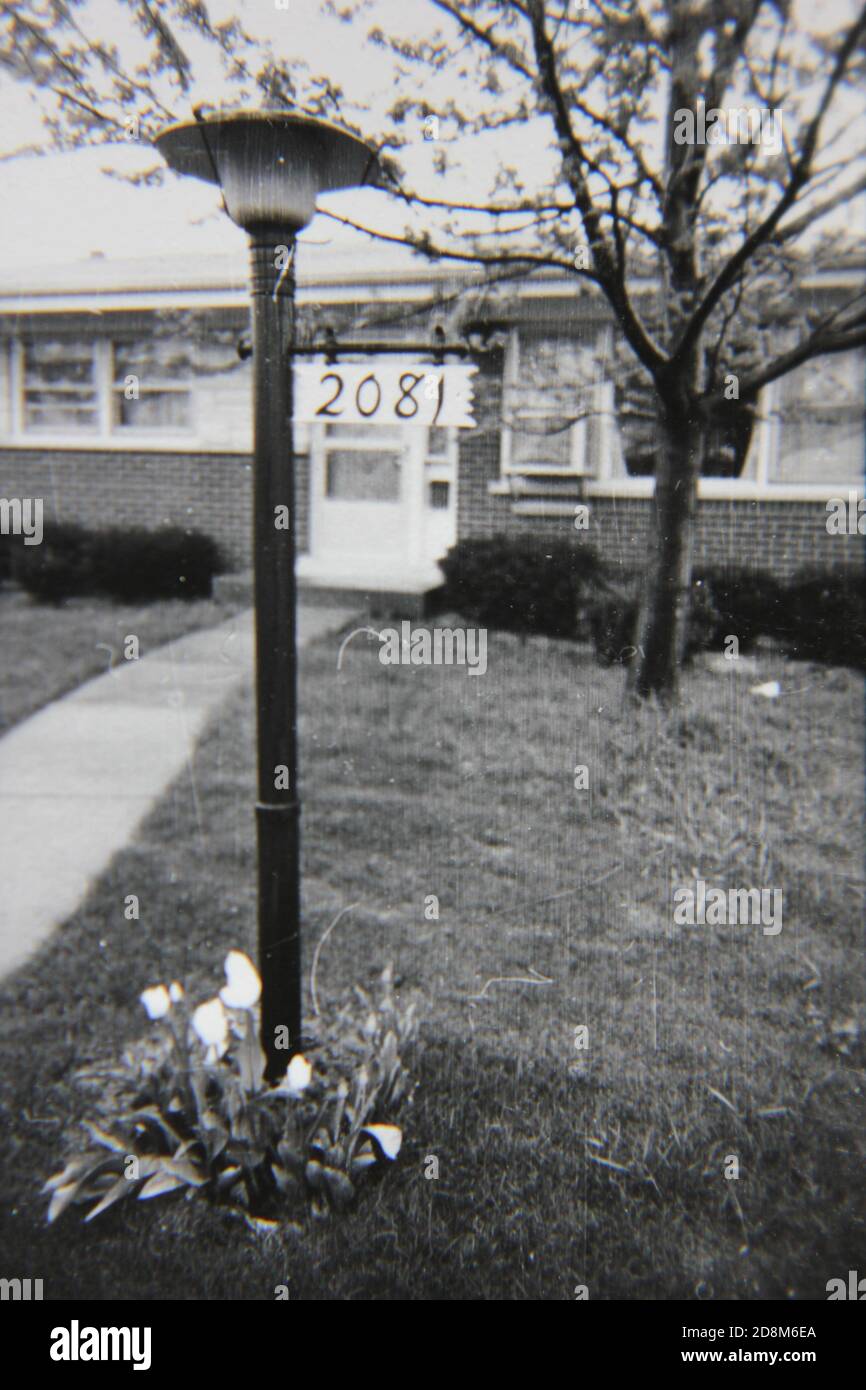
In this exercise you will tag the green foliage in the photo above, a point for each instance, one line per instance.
(822, 617)
(612, 617)
(814, 617)
(7, 549)
(188, 1110)
(127, 564)
(521, 585)
(743, 602)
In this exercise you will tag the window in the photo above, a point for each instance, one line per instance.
(150, 386)
(363, 463)
(104, 389)
(59, 386)
(727, 444)
(821, 416)
(438, 443)
(360, 475)
(440, 467)
(553, 394)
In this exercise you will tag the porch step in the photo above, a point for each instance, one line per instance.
(234, 588)
(394, 596)
(371, 600)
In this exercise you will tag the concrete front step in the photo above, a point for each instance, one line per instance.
(386, 596)
(234, 588)
(372, 602)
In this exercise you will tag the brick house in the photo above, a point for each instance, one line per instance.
(377, 507)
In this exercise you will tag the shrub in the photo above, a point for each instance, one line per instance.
(128, 565)
(823, 618)
(613, 619)
(747, 604)
(136, 565)
(612, 614)
(815, 617)
(521, 585)
(7, 550)
(62, 566)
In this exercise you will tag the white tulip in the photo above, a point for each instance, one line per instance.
(156, 1001)
(297, 1078)
(388, 1137)
(212, 1026)
(244, 985)
(770, 689)
(175, 991)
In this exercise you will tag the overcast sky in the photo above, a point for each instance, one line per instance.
(101, 214)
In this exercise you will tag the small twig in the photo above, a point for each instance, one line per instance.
(322, 939)
(736, 1203)
(724, 1100)
(513, 980)
(608, 1163)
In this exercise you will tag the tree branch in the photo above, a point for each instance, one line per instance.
(800, 177)
(610, 277)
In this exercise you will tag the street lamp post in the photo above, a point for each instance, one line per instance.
(271, 167)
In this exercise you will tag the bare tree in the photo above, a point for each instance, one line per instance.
(655, 177)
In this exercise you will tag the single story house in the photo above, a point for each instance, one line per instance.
(377, 506)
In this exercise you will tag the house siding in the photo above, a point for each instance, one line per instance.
(211, 493)
(208, 487)
(781, 536)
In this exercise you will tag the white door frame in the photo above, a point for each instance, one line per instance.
(411, 557)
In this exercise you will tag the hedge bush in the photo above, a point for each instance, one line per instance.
(814, 617)
(7, 549)
(129, 565)
(521, 585)
(562, 590)
(823, 618)
(613, 620)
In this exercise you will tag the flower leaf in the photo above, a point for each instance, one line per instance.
(124, 1187)
(159, 1185)
(148, 1115)
(76, 1169)
(61, 1198)
(186, 1171)
(106, 1140)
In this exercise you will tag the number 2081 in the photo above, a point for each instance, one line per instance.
(404, 401)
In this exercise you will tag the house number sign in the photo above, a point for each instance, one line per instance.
(384, 393)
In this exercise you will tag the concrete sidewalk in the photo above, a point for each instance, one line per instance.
(79, 777)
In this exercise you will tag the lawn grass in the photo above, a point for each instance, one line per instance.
(49, 649)
(557, 1167)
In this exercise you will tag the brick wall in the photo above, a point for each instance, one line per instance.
(781, 537)
(206, 492)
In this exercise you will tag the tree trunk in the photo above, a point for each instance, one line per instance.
(664, 604)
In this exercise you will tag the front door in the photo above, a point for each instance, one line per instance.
(359, 495)
(382, 500)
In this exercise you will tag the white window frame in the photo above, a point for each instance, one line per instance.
(760, 488)
(18, 406)
(441, 468)
(580, 464)
(120, 438)
(129, 431)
